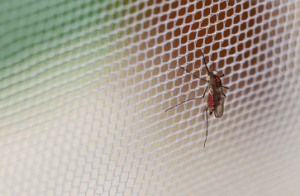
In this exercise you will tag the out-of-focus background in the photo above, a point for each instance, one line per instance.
(84, 86)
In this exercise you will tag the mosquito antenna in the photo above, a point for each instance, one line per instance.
(183, 102)
(212, 47)
(214, 63)
(205, 62)
(192, 73)
(221, 46)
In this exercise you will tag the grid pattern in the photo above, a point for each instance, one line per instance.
(85, 85)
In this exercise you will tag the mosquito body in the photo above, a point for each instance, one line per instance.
(215, 99)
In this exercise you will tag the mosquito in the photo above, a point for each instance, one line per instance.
(215, 99)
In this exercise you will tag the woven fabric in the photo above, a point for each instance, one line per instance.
(85, 85)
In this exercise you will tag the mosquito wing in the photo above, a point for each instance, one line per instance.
(219, 108)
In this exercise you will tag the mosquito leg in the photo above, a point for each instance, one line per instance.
(224, 94)
(183, 102)
(221, 76)
(205, 111)
(204, 92)
(225, 87)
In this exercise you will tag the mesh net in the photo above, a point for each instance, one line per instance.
(85, 86)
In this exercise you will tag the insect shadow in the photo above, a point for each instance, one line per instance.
(215, 100)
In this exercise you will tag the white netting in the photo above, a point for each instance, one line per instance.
(84, 86)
